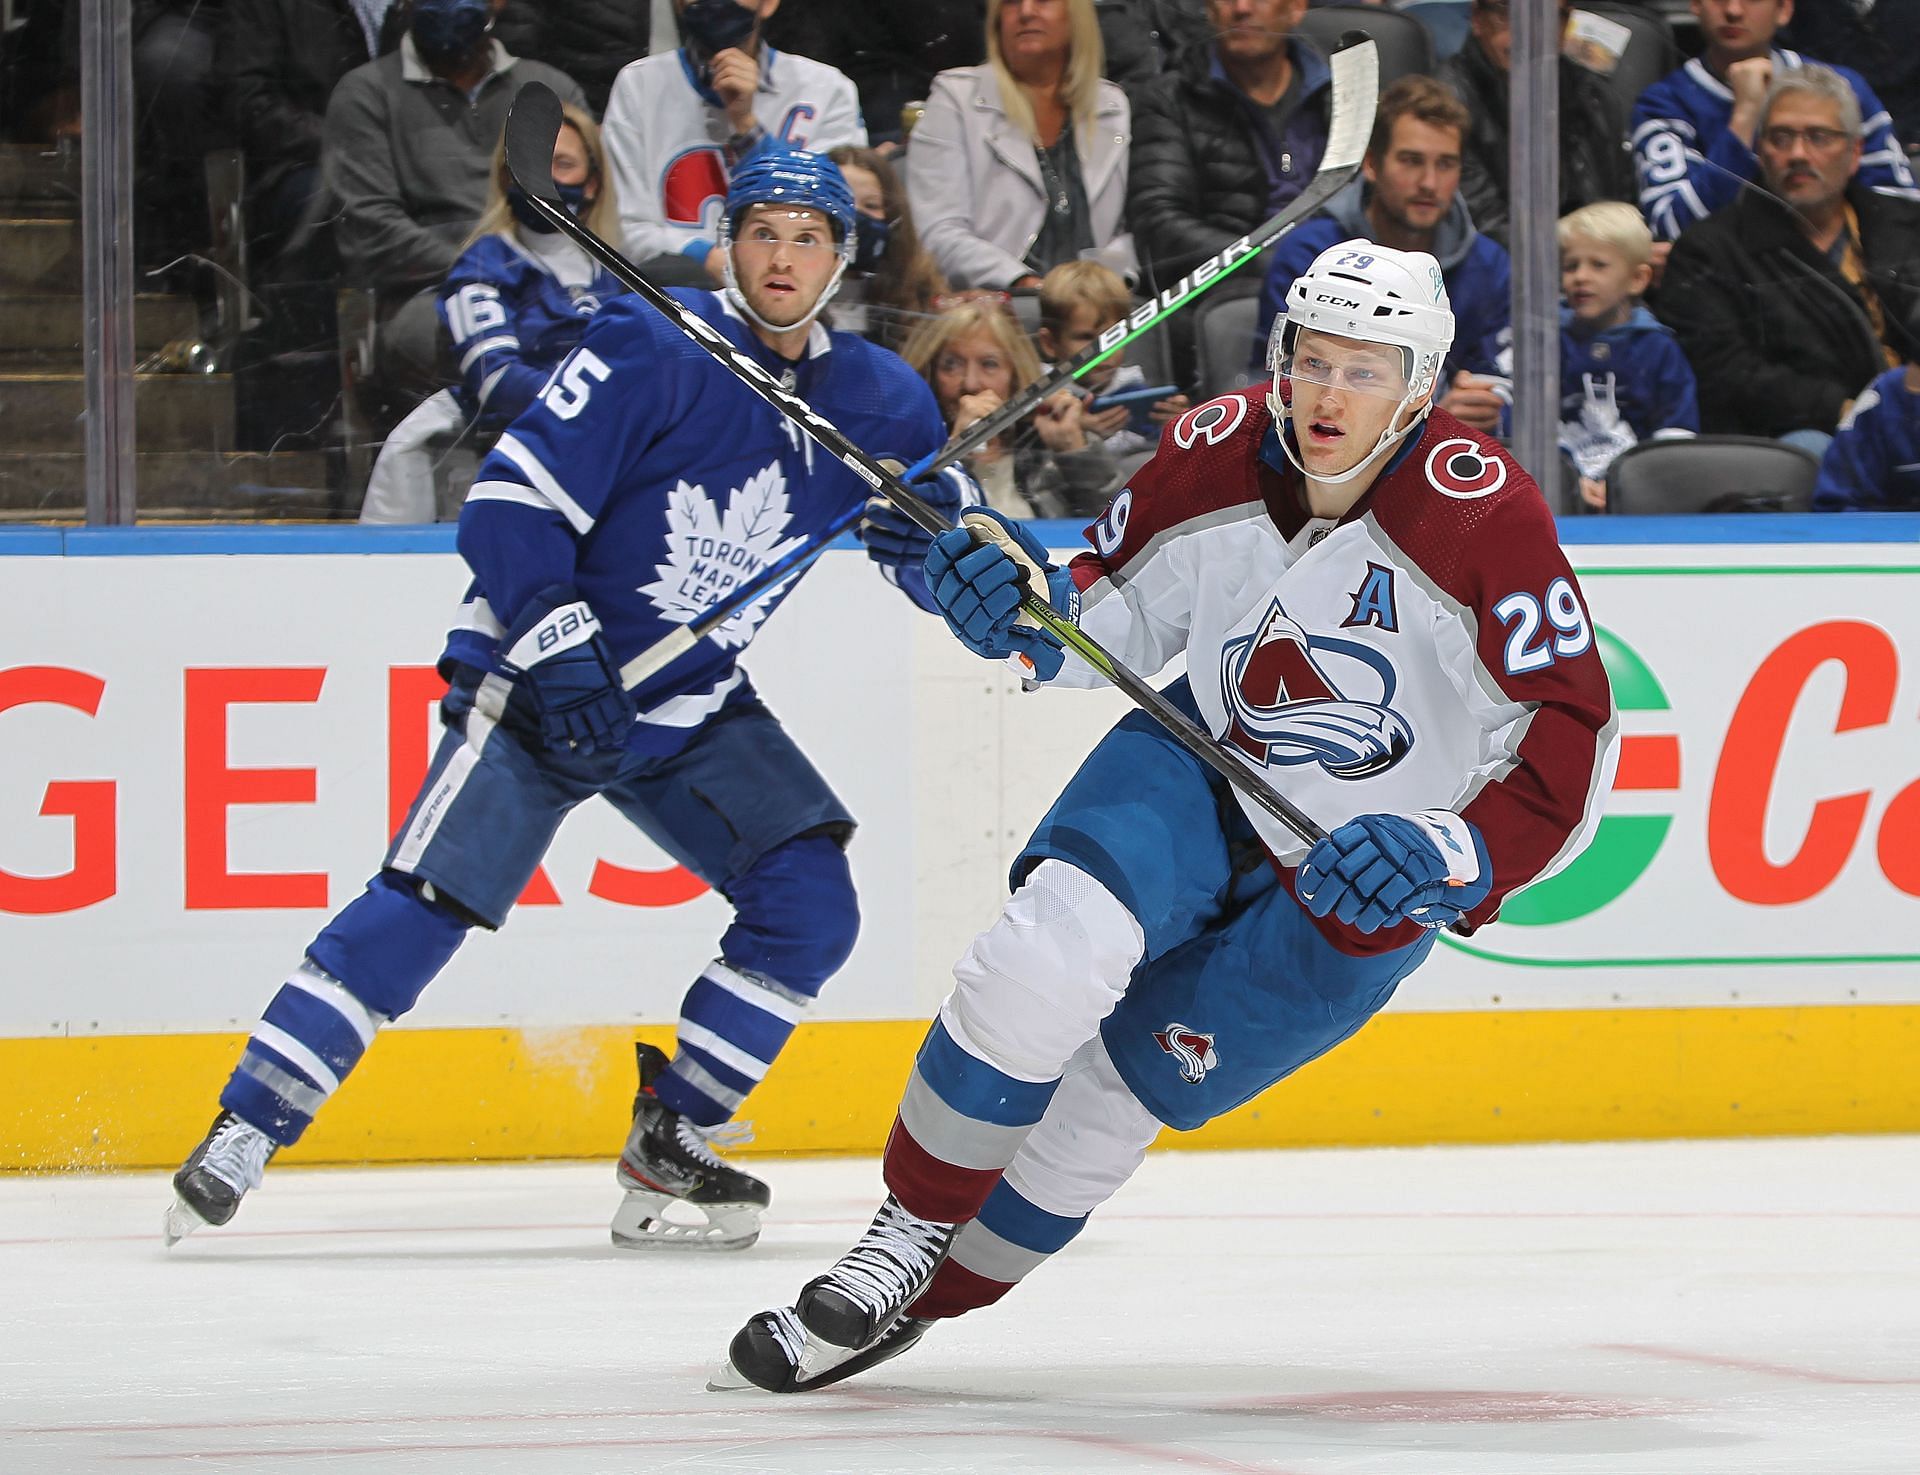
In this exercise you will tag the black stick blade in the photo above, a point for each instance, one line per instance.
(533, 123)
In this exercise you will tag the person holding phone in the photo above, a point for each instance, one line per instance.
(1080, 300)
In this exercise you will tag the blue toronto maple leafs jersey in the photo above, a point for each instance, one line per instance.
(654, 482)
(512, 320)
(1873, 464)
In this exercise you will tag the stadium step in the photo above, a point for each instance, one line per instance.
(41, 411)
(174, 485)
(44, 331)
(39, 255)
(39, 179)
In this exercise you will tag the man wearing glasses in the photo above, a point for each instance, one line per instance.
(1790, 300)
(1694, 129)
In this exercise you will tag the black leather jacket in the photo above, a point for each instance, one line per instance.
(1778, 339)
(1594, 161)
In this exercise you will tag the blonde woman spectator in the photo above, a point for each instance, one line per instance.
(976, 358)
(893, 281)
(1021, 164)
(515, 304)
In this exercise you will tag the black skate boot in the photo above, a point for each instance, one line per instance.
(849, 1315)
(667, 1160)
(230, 1159)
(767, 1351)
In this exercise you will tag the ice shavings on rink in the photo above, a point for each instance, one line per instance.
(1645, 1309)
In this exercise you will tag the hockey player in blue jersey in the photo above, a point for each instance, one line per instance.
(514, 305)
(642, 484)
(1692, 131)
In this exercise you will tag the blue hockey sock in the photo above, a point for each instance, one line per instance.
(368, 965)
(795, 920)
(312, 1034)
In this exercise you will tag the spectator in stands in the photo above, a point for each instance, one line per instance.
(1594, 163)
(1790, 300)
(1021, 163)
(1408, 196)
(278, 62)
(1080, 300)
(1873, 464)
(891, 52)
(1623, 378)
(1694, 129)
(514, 304)
(408, 144)
(1876, 39)
(976, 358)
(589, 40)
(891, 286)
(1144, 38)
(678, 122)
(1228, 138)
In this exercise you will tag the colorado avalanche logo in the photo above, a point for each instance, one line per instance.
(1296, 698)
(1193, 1051)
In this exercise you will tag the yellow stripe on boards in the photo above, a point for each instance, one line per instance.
(457, 1095)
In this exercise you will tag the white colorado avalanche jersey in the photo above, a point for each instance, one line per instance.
(1429, 650)
(666, 140)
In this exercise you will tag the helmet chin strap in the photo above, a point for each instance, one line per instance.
(739, 298)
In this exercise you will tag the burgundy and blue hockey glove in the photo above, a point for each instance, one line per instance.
(566, 683)
(977, 573)
(1378, 870)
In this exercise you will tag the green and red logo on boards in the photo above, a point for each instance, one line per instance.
(1624, 845)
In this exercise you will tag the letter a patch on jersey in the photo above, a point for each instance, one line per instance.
(1373, 603)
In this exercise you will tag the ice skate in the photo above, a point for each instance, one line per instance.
(231, 1159)
(668, 1161)
(772, 1349)
(850, 1314)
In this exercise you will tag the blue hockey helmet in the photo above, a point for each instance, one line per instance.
(777, 175)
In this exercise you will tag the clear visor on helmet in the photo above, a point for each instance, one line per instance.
(1379, 372)
(798, 226)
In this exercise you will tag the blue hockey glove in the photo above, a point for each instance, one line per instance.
(977, 573)
(896, 541)
(1381, 869)
(566, 684)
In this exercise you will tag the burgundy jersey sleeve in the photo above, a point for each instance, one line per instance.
(1520, 650)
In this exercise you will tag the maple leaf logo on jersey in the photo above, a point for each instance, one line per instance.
(1193, 1050)
(1293, 697)
(709, 553)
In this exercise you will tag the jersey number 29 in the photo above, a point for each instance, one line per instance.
(1522, 613)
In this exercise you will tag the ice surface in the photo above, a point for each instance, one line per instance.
(1647, 1309)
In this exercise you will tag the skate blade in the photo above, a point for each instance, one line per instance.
(641, 1223)
(179, 1221)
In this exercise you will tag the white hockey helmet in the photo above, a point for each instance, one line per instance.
(1375, 294)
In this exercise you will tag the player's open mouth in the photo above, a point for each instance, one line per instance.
(1323, 434)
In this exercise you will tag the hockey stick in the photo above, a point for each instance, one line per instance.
(1355, 92)
(534, 122)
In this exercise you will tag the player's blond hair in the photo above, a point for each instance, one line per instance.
(1611, 223)
(602, 215)
(1080, 283)
(1079, 88)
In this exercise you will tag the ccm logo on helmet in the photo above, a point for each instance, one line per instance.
(1347, 302)
(1212, 422)
(1460, 469)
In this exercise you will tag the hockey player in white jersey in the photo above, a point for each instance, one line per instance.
(680, 122)
(1376, 616)
(641, 485)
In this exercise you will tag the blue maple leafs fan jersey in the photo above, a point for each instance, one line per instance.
(652, 480)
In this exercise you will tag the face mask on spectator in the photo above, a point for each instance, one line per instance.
(573, 196)
(446, 30)
(714, 26)
(869, 242)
